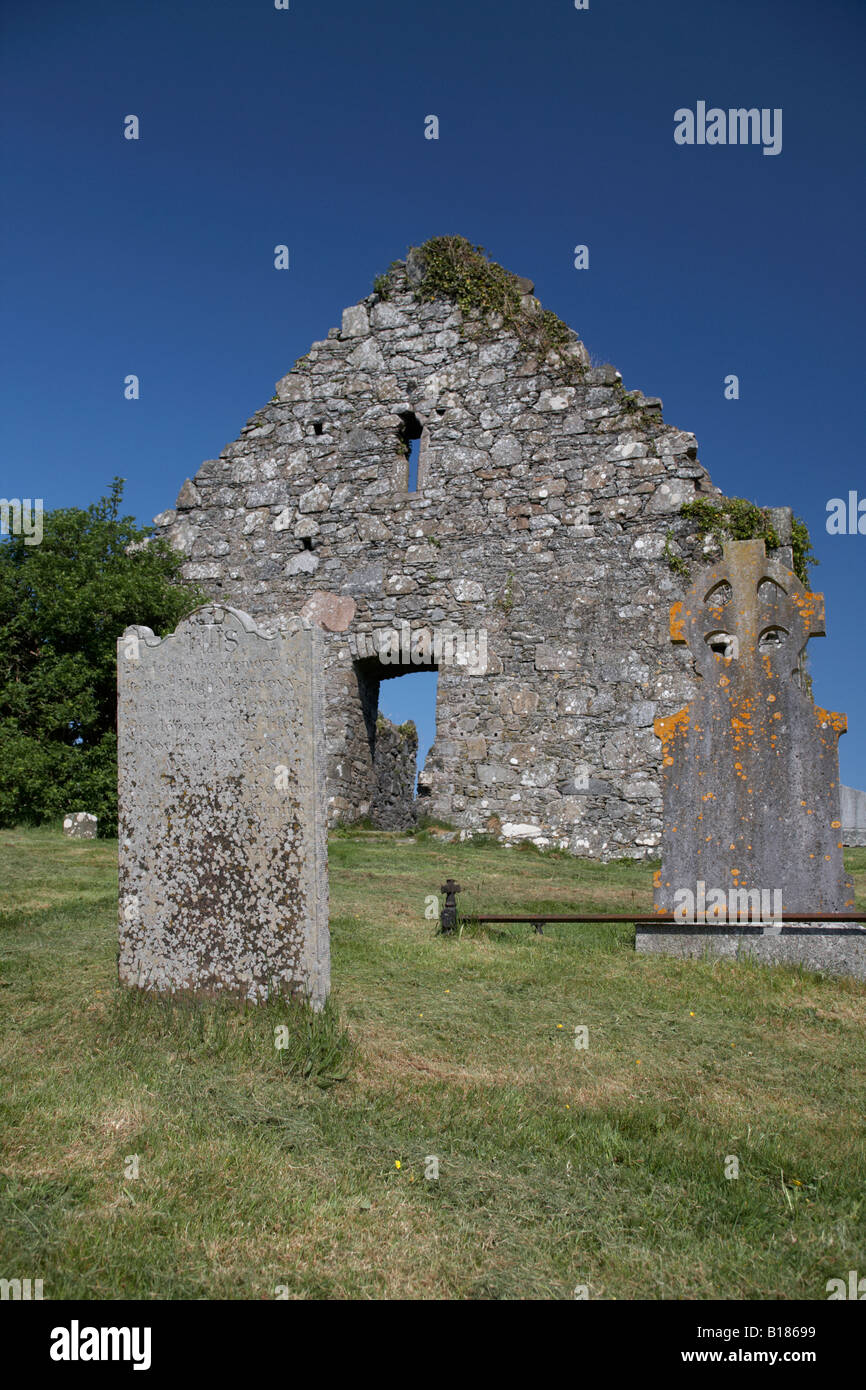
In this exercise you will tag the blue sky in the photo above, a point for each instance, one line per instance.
(306, 127)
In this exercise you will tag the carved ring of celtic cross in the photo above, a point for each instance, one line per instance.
(751, 610)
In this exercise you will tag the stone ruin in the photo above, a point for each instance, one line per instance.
(529, 562)
(222, 842)
(752, 824)
(395, 755)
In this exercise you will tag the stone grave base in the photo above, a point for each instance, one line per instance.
(835, 950)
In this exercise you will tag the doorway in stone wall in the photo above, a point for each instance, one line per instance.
(399, 704)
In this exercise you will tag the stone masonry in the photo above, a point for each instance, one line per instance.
(394, 759)
(542, 524)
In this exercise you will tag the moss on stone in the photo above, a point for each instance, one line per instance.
(483, 290)
(732, 517)
(382, 283)
(675, 562)
(630, 403)
(736, 518)
(801, 545)
(406, 730)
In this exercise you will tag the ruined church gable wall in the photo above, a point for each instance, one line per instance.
(543, 511)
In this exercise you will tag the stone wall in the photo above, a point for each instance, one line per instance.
(394, 766)
(542, 524)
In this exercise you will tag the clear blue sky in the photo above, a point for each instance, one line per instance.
(306, 127)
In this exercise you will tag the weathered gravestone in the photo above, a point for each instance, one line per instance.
(80, 825)
(752, 824)
(223, 853)
(853, 816)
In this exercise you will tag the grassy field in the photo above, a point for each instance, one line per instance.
(304, 1169)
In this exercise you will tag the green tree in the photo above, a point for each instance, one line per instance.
(63, 605)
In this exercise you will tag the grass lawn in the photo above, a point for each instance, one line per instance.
(304, 1168)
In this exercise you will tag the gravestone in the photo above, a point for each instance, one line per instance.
(80, 825)
(752, 824)
(223, 853)
(853, 816)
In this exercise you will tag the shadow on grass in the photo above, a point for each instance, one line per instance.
(280, 1034)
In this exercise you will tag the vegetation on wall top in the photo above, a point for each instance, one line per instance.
(736, 518)
(455, 269)
(491, 297)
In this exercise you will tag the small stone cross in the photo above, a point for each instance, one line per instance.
(448, 915)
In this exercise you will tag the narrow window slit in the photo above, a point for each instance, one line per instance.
(409, 436)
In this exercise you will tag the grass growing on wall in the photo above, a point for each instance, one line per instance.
(306, 1168)
(482, 289)
(738, 519)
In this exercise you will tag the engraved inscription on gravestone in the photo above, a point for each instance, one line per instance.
(223, 850)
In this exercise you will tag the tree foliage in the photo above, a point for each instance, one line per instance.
(63, 605)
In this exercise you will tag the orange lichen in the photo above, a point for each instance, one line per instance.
(839, 722)
(811, 608)
(666, 728)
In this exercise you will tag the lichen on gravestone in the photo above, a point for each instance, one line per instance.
(751, 765)
(222, 848)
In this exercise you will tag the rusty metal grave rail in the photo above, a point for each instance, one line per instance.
(448, 919)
